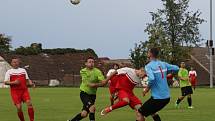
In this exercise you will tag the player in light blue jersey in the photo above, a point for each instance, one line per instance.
(156, 71)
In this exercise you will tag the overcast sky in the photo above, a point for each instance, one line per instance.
(110, 27)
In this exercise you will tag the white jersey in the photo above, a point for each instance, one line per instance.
(130, 73)
(110, 72)
(15, 72)
(192, 73)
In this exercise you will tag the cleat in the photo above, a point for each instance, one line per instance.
(190, 107)
(176, 105)
(106, 111)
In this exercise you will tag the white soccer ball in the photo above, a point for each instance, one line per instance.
(144, 81)
(75, 2)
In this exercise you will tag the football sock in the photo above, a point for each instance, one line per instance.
(189, 100)
(178, 101)
(92, 116)
(78, 117)
(119, 105)
(31, 113)
(156, 117)
(21, 116)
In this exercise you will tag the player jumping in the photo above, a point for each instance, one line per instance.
(112, 84)
(128, 78)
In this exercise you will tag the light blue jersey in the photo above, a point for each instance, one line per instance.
(157, 71)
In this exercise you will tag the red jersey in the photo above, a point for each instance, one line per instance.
(17, 74)
(127, 79)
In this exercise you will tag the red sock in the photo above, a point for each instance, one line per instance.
(21, 116)
(119, 104)
(31, 113)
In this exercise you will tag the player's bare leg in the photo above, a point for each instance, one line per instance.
(20, 112)
(92, 110)
(121, 103)
(139, 117)
(84, 114)
(30, 110)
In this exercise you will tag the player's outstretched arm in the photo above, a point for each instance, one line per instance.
(102, 83)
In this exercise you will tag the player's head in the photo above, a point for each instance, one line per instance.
(191, 68)
(183, 65)
(15, 62)
(140, 72)
(153, 53)
(90, 62)
(116, 66)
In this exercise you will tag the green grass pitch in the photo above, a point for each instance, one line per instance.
(60, 104)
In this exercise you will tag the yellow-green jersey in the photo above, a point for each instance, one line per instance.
(184, 74)
(90, 76)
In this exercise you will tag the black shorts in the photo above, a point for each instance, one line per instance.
(152, 106)
(186, 90)
(87, 100)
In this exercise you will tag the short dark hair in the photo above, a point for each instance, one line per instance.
(154, 52)
(15, 57)
(90, 58)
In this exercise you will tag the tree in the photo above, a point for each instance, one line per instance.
(5, 43)
(174, 30)
(139, 54)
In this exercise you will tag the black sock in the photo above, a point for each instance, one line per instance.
(189, 100)
(77, 117)
(178, 101)
(92, 116)
(156, 117)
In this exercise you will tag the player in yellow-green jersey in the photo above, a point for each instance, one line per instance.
(89, 75)
(186, 89)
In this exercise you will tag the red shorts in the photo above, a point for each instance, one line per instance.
(19, 96)
(133, 100)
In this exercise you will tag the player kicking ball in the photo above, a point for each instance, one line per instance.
(128, 78)
(18, 80)
(156, 71)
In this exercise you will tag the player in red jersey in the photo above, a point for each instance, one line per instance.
(112, 83)
(18, 80)
(128, 78)
(193, 76)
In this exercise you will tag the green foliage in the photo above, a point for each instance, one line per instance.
(5, 43)
(139, 55)
(68, 50)
(27, 51)
(36, 49)
(174, 30)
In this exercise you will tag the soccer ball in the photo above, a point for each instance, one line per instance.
(144, 81)
(75, 2)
